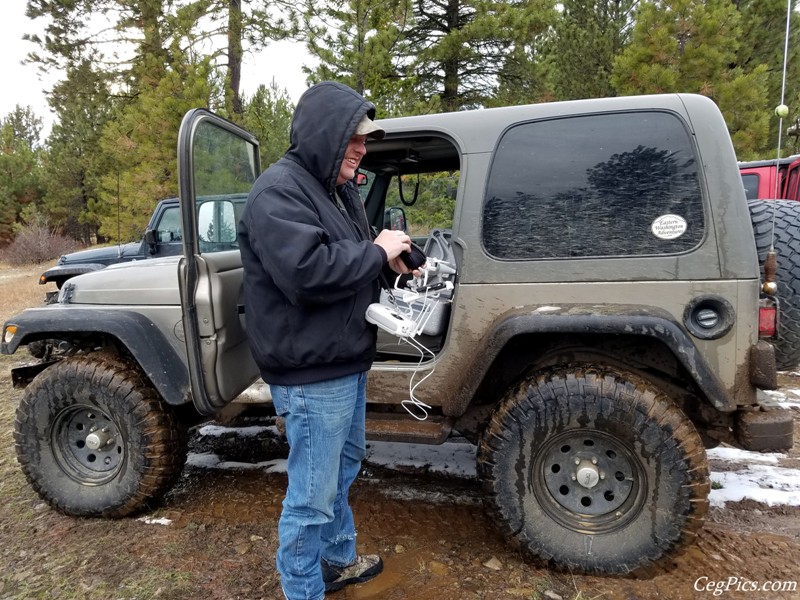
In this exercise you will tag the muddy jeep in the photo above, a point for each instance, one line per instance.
(595, 322)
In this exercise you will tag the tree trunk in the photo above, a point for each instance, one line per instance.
(232, 96)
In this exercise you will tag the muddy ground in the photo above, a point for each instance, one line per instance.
(219, 539)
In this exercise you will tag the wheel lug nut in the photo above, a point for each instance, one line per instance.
(602, 475)
(574, 477)
(594, 461)
(577, 461)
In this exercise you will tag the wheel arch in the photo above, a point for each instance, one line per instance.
(59, 274)
(649, 345)
(131, 332)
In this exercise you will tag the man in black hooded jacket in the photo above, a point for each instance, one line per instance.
(311, 268)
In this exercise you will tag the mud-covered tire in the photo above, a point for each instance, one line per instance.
(94, 439)
(787, 246)
(641, 502)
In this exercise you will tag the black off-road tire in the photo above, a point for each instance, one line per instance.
(94, 439)
(643, 467)
(787, 245)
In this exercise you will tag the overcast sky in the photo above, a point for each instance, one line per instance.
(23, 85)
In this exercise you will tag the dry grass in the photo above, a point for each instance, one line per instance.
(19, 288)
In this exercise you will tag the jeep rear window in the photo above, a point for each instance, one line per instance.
(750, 182)
(617, 184)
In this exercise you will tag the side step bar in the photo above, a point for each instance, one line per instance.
(404, 428)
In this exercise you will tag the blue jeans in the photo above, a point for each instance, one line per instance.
(325, 428)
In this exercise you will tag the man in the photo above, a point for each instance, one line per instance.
(311, 269)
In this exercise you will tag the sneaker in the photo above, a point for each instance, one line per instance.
(365, 568)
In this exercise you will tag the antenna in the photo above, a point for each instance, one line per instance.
(782, 110)
(119, 235)
(771, 261)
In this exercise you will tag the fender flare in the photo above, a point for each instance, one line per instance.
(67, 271)
(601, 320)
(160, 363)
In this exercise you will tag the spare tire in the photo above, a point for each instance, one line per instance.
(785, 214)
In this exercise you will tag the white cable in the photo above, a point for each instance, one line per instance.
(409, 297)
(412, 387)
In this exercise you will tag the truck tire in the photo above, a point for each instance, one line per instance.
(787, 245)
(594, 472)
(95, 440)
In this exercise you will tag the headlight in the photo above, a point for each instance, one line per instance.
(8, 333)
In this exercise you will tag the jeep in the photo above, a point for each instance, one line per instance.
(162, 237)
(772, 178)
(595, 319)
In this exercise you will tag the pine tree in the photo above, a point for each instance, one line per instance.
(589, 36)
(763, 42)
(461, 46)
(268, 116)
(689, 46)
(221, 30)
(362, 43)
(19, 167)
(74, 162)
(141, 139)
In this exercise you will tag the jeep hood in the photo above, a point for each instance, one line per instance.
(141, 282)
(105, 255)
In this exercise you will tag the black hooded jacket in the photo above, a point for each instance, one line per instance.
(310, 269)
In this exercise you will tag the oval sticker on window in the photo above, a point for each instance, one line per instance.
(668, 227)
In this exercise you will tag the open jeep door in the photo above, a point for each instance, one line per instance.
(217, 165)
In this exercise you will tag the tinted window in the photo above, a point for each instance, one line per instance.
(600, 185)
(169, 227)
(792, 189)
(750, 182)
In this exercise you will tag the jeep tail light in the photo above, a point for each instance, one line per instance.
(767, 319)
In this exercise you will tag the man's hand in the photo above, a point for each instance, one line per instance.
(394, 243)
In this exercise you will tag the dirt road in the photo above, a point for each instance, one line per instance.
(214, 537)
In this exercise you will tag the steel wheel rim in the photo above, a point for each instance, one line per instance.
(589, 481)
(87, 445)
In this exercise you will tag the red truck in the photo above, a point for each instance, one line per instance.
(759, 178)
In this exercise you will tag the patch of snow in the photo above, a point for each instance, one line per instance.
(762, 483)
(452, 458)
(249, 431)
(154, 521)
(736, 455)
(543, 309)
(209, 460)
(784, 398)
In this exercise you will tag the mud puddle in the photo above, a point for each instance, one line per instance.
(437, 542)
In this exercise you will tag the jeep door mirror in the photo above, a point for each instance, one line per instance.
(216, 226)
(150, 240)
(395, 218)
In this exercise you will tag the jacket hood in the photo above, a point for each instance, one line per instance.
(325, 119)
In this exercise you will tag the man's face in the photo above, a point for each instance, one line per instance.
(356, 149)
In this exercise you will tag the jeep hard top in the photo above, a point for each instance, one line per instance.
(593, 322)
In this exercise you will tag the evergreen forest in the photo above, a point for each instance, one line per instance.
(132, 68)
